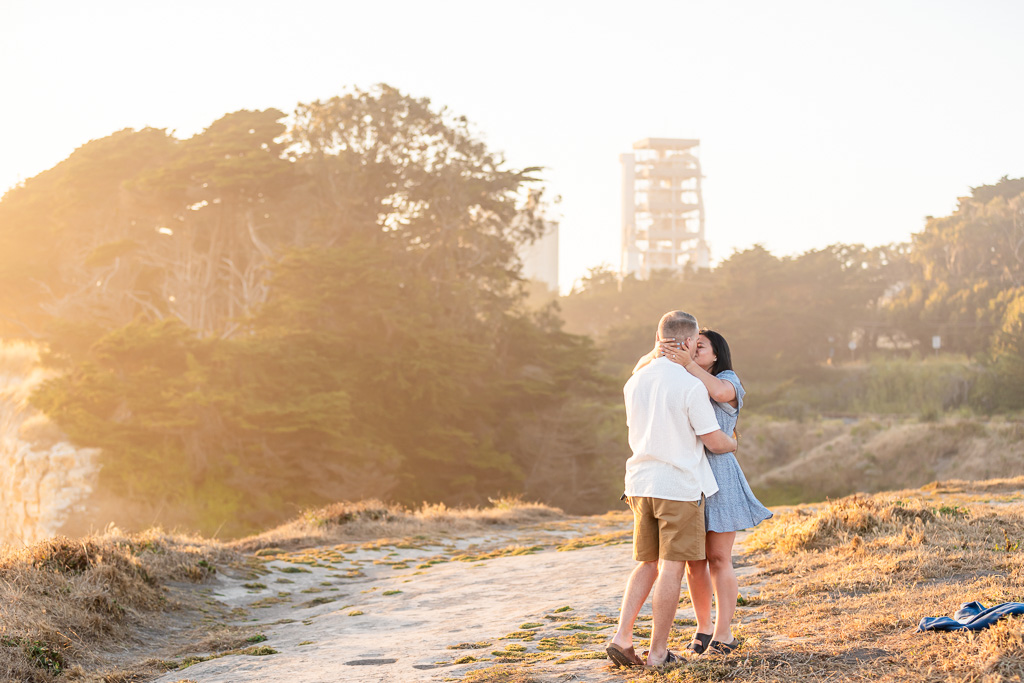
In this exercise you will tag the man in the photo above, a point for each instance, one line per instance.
(670, 421)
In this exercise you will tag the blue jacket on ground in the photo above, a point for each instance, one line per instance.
(972, 616)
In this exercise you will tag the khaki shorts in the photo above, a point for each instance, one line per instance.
(667, 529)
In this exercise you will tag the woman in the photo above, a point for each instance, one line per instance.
(732, 509)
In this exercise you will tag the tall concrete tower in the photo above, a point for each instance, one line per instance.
(662, 208)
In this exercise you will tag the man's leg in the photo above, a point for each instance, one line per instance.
(681, 535)
(643, 576)
(698, 582)
(666, 602)
(637, 589)
(723, 578)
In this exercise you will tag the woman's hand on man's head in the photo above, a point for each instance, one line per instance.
(675, 351)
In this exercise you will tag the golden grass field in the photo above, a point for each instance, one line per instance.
(839, 591)
(843, 584)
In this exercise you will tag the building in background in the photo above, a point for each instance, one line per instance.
(540, 259)
(662, 208)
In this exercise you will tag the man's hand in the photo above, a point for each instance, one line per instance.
(719, 442)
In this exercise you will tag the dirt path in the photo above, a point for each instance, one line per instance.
(396, 611)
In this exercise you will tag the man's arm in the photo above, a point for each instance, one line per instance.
(719, 442)
(702, 418)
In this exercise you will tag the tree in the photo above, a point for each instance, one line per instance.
(779, 314)
(64, 233)
(140, 223)
(1002, 387)
(394, 169)
(962, 263)
(215, 212)
(333, 312)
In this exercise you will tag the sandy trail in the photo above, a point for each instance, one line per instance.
(397, 621)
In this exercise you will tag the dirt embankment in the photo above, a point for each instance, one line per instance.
(789, 462)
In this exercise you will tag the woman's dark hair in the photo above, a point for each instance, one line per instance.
(723, 357)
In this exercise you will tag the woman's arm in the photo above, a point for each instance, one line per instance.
(720, 390)
(647, 358)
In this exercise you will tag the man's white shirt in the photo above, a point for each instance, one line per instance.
(667, 409)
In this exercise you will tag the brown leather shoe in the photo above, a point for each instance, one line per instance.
(623, 656)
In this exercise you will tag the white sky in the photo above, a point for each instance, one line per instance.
(820, 121)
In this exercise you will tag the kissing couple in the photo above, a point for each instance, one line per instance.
(686, 489)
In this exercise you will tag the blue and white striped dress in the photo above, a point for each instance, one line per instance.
(734, 507)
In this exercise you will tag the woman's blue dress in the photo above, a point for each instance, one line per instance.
(734, 507)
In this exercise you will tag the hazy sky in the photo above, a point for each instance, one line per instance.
(820, 121)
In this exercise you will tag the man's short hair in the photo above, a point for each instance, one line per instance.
(677, 325)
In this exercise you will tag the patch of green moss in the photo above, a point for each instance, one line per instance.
(255, 651)
(570, 642)
(582, 627)
(480, 645)
(519, 635)
(314, 602)
(596, 540)
(504, 552)
(269, 601)
(580, 654)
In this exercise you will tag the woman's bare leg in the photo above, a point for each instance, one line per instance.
(723, 579)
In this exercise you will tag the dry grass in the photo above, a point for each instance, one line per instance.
(842, 589)
(66, 604)
(372, 519)
(501, 673)
(846, 583)
(1014, 485)
(62, 599)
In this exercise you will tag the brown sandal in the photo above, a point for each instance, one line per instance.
(623, 656)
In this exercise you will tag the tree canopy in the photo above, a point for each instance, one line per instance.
(779, 313)
(959, 278)
(273, 314)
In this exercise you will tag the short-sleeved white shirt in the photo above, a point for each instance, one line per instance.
(667, 408)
